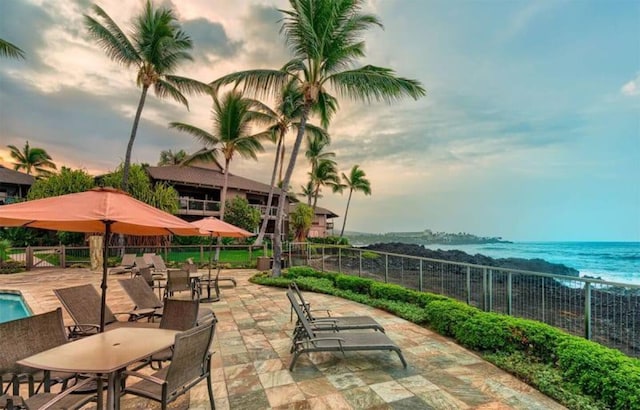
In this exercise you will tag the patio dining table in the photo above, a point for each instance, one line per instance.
(107, 353)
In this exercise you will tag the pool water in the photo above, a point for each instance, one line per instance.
(12, 307)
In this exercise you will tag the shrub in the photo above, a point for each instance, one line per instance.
(320, 285)
(445, 316)
(370, 255)
(604, 373)
(484, 332)
(407, 311)
(353, 283)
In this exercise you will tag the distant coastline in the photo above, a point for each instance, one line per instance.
(426, 237)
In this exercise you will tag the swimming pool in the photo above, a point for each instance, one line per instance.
(12, 306)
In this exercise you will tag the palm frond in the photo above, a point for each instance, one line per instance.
(111, 38)
(189, 85)
(10, 50)
(204, 155)
(255, 83)
(165, 89)
(207, 139)
(375, 83)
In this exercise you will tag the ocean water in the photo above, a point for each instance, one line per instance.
(612, 261)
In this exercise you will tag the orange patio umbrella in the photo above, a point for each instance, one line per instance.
(216, 228)
(105, 210)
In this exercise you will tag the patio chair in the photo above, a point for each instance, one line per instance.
(25, 337)
(191, 364)
(143, 297)
(325, 341)
(178, 315)
(336, 323)
(67, 399)
(127, 263)
(192, 267)
(83, 304)
(178, 280)
(158, 264)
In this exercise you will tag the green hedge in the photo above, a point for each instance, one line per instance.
(605, 377)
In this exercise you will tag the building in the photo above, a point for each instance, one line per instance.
(14, 185)
(199, 187)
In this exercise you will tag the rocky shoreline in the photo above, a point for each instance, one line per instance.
(534, 265)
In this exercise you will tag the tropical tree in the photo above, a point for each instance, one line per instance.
(316, 153)
(161, 196)
(307, 191)
(10, 50)
(233, 117)
(31, 159)
(168, 157)
(241, 214)
(324, 174)
(325, 38)
(156, 47)
(300, 220)
(67, 181)
(355, 181)
(284, 117)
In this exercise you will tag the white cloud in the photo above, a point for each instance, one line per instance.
(632, 88)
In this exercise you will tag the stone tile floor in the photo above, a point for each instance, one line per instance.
(249, 367)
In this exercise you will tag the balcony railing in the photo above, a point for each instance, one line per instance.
(206, 207)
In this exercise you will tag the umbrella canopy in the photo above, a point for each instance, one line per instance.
(215, 227)
(105, 210)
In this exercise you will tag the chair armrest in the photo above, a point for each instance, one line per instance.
(82, 329)
(52, 403)
(147, 377)
(137, 314)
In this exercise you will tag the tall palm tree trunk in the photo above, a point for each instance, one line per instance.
(265, 221)
(277, 240)
(346, 211)
(282, 150)
(223, 202)
(316, 193)
(134, 129)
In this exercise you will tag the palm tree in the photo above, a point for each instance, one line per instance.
(233, 116)
(307, 191)
(326, 40)
(10, 50)
(324, 174)
(356, 181)
(168, 157)
(31, 159)
(284, 117)
(315, 152)
(156, 47)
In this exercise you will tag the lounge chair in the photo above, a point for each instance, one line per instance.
(83, 304)
(336, 323)
(158, 264)
(25, 337)
(126, 265)
(191, 363)
(143, 297)
(192, 267)
(310, 340)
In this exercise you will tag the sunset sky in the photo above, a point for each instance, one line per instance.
(530, 129)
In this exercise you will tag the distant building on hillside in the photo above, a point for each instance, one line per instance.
(14, 185)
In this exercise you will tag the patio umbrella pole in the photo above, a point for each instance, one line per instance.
(103, 286)
(209, 298)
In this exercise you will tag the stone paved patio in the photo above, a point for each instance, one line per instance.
(252, 343)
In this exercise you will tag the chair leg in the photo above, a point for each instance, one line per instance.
(404, 362)
(294, 358)
(210, 387)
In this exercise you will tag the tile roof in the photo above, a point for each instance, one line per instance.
(319, 211)
(9, 176)
(204, 177)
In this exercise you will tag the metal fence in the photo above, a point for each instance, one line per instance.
(606, 312)
(69, 256)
